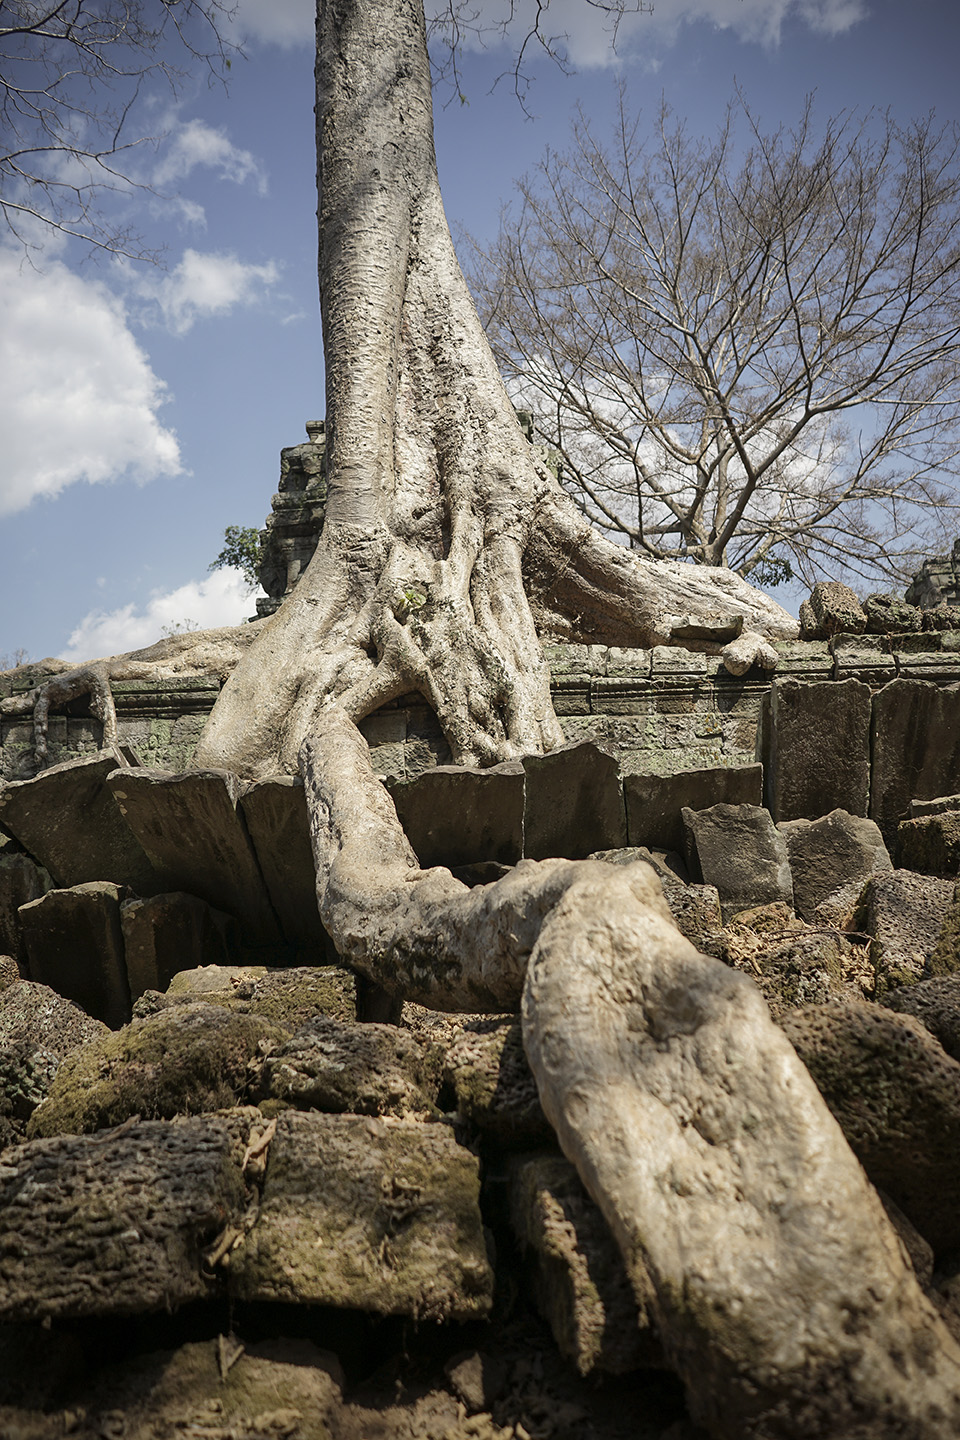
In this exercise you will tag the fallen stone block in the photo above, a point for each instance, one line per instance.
(38, 1028)
(66, 818)
(456, 816)
(888, 614)
(275, 812)
(896, 1095)
(357, 1069)
(916, 749)
(815, 748)
(577, 1273)
(791, 963)
(837, 850)
(21, 880)
(938, 806)
(191, 829)
(74, 944)
(738, 849)
(286, 997)
(695, 909)
(836, 608)
(573, 802)
(183, 1061)
(930, 844)
(654, 802)
(495, 1089)
(905, 914)
(367, 1214)
(936, 1004)
(164, 932)
(115, 1223)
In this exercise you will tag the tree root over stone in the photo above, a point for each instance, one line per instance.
(781, 1293)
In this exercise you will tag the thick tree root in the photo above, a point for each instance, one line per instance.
(782, 1295)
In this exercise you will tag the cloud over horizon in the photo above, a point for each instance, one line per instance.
(223, 598)
(203, 285)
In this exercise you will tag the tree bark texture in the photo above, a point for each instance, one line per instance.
(445, 540)
(750, 1232)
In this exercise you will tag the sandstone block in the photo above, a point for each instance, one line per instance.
(695, 909)
(738, 849)
(275, 812)
(114, 1224)
(896, 1095)
(573, 802)
(905, 914)
(578, 1277)
(495, 1089)
(888, 614)
(836, 608)
(166, 932)
(936, 1004)
(930, 844)
(456, 816)
(38, 1028)
(288, 998)
(837, 850)
(66, 818)
(916, 749)
(815, 747)
(21, 880)
(367, 1214)
(358, 1069)
(654, 802)
(791, 963)
(74, 944)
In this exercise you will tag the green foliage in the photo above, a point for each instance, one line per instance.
(769, 570)
(241, 551)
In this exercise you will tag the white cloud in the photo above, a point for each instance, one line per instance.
(196, 143)
(79, 400)
(221, 599)
(278, 22)
(203, 285)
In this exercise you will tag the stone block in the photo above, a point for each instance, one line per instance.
(67, 819)
(573, 802)
(835, 851)
(936, 1004)
(116, 1223)
(275, 812)
(815, 748)
(577, 1273)
(456, 816)
(805, 660)
(367, 1213)
(654, 802)
(930, 844)
(628, 662)
(916, 749)
(624, 695)
(888, 614)
(896, 1095)
(21, 880)
(941, 668)
(863, 657)
(695, 909)
(38, 1028)
(356, 1069)
(738, 849)
(74, 944)
(191, 828)
(495, 1089)
(791, 963)
(165, 933)
(288, 997)
(836, 608)
(905, 915)
(938, 806)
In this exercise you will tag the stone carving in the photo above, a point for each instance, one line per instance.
(937, 582)
(296, 518)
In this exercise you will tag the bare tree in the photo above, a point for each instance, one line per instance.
(745, 354)
(71, 74)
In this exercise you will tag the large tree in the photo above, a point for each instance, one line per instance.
(749, 1231)
(745, 349)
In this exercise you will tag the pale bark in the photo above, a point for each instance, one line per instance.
(781, 1293)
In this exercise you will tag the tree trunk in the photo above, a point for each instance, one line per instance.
(445, 540)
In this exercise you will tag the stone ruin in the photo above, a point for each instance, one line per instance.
(937, 582)
(245, 1195)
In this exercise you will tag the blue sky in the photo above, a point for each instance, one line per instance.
(143, 409)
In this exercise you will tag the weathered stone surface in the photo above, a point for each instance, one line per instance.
(863, 657)
(573, 802)
(166, 932)
(67, 819)
(930, 844)
(275, 812)
(905, 914)
(38, 1028)
(810, 627)
(815, 747)
(837, 850)
(577, 1273)
(695, 909)
(213, 979)
(456, 816)
(369, 1214)
(938, 806)
(21, 880)
(357, 1069)
(287, 997)
(915, 747)
(114, 1224)
(670, 866)
(9, 971)
(836, 608)
(487, 1067)
(654, 802)
(74, 944)
(791, 963)
(738, 849)
(936, 1004)
(186, 1060)
(191, 828)
(888, 614)
(896, 1095)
